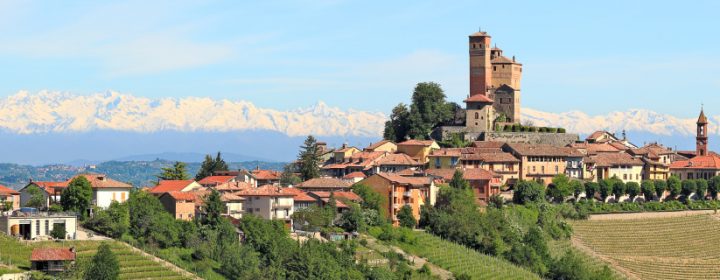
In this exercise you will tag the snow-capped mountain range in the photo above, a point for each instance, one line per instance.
(45, 112)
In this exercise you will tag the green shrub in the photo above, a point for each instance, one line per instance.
(561, 130)
(553, 130)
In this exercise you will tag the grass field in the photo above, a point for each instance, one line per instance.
(15, 256)
(655, 248)
(460, 259)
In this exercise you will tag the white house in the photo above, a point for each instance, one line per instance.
(268, 202)
(32, 225)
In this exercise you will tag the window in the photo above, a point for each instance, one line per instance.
(113, 197)
(477, 115)
(37, 227)
(624, 176)
(122, 197)
(47, 226)
(494, 68)
(557, 169)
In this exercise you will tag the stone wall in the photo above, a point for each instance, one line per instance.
(555, 139)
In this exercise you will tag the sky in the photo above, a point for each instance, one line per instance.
(594, 57)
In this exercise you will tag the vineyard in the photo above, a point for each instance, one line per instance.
(459, 259)
(656, 248)
(133, 265)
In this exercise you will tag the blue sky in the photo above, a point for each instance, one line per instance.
(594, 57)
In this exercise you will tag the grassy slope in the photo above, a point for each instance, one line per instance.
(132, 264)
(656, 248)
(460, 259)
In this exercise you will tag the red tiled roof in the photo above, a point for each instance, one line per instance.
(613, 159)
(490, 157)
(52, 254)
(488, 144)
(7, 191)
(397, 159)
(595, 148)
(300, 195)
(347, 195)
(413, 142)
(356, 174)
(468, 174)
(232, 186)
(376, 145)
(230, 197)
(543, 150)
(711, 161)
(479, 98)
(50, 187)
(266, 190)
(619, 146)
(324, 183)
(261, 174)
(170, 185)
(403, 180)
(595, 135)
(182, 196)
(446, 152)
(100, 181)
(215, 180)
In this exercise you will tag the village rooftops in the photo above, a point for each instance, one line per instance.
(595, 148)
(50, 187)
(338, 195)
(300, 195)
(523, 149)
(170, 185)
(488, 144)
(413, 142)
(612, 159)
(406, 180)
(101, 181)
(492, 157)
(266, 190)
(215, 180)
(52, 254)
(232, 186)
(397, 159)
(376, 145)
(711, 161)
(261, 174)
(324, 183)
(446, 152)
(356, 174)
(7, 191)
(468, 174)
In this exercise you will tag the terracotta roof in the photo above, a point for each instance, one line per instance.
(50, 187)
(375, 145)
(490, 157)
(232, 186)
(182, 196)
(266, 190)
(99, 181)
(356, 174)
(300, 195)
(595, 148)
(325, 182)
(231, 197)
(347, 195)
(468, 174)
(658, 149)
(503, 60)
(215, 180)
(612, 159)
(479, 98)
(52, 254)
(446, 152)
(488, 144)
(397, 159)
(543, 150)
(618, 145)
(405, 180)
(595, 135)
(413, 142)
(261, 174)
(711, 161)
(702, 119)
(346, 149)
(170, 185)
(7, 191)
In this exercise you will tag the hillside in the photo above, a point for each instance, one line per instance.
(15, 257)
(655, 248)
(137, 173)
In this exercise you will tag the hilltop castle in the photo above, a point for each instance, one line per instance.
(494, 86)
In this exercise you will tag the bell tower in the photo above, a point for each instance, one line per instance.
(702, 138)
(480, 65)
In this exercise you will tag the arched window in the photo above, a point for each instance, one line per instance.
(477, 115)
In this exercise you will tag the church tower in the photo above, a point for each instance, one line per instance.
(702, 139)
(480, 65)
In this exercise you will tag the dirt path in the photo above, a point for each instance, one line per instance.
(416, 261)
(648, 215)
(580, 246)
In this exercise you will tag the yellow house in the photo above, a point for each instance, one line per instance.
(398, 191)
(444, 158)
(344, 152)
(542, 162)
(503, 164)
(382, 146)
(418, 149)
(608, 165)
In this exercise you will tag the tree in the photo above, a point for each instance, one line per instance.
(396, 129)
(648, 189)
(660, 188)
(352, 220)
(240, 262)
(496, 201)
(688, 187)
(702, 187)
(312, 218)
(150, 223)
(308, 159)
(427, 110)
(619, 189)
(406, 218)
(633, 189)
(77, 196)
(370, 199)
(590, 189)
(37, 197)
(58, 231)
(528, 191)
(288, 177)
(458, 181)
(213, 210)
(178, 171)
(560, 188)
(606, 188)
(674, 185)
(104, 265)
(113, 221)
(714, 187)
(210, 165)
(577, 188)
(455, 140)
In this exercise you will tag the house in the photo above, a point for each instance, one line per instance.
(344, 152)
(324, 184)
(399, 191)
(391, 163)
(382, 146)
(657, 161)
(182, 205)
(504, 164)
(31, 225)
(266, 177)
(52, 260)
(50, 190)
(233, 205)
(542, 162)
(175, 186)
(484, 183)
(106, 190)
(268, 202)
(608, 165)
(302, 199)
(231, 187)
(354, 177)
(444, 158)
(591, 149)
(214, 180)
(418, 150)
(356, 162)
(9, 199)
(607, 137)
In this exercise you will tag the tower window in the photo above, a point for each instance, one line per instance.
(494, 68)
(477, 115)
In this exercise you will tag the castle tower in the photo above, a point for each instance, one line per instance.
(480, 66)
(506, 75)
(702, 139)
